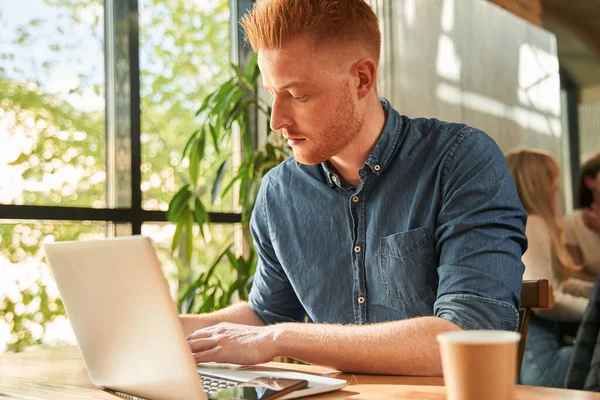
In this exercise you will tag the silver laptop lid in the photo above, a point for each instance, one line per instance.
(124, 319)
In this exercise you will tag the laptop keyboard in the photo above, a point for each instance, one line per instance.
(213, 384)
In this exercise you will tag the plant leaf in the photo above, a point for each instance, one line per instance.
(211, 98)
(270, 151)
(218, 181)
(238, 71)
(232, 260)
(178, 203)
(194, 163)
(233, 116)
(202, 216)
(189, 299)
(233, 288)
(214, 135)
(230, 184)
(208, 304)
(177, 235)
(206, 102)
(189, 235)
(196, 155)
(189, 142)
(251, 69)
(221, 97)
(204, 278)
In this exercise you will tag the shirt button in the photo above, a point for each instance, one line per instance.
(377, 167)
(334, 178)
(361, 300)
(357, 249)
(355, 199)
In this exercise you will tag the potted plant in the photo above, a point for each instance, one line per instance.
(230, 106)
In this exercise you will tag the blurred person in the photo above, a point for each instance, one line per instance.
(582, 226)
(537, 175)
(584, 369)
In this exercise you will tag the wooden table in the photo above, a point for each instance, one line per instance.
(60, 373)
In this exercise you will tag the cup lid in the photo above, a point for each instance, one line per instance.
(479, 337)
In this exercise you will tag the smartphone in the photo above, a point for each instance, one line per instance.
(263, 388)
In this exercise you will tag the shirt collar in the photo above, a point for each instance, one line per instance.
(384, 147)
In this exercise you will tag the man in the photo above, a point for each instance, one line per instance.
(383, 230)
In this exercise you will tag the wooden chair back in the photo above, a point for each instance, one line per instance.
(534, 294)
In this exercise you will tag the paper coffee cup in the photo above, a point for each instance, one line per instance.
(479, 364)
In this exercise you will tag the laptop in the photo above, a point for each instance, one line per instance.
(127, 327)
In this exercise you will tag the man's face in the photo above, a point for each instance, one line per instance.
(314, 104)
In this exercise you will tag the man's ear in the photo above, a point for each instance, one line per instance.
(365, 70)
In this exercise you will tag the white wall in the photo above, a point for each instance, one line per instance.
(471, 61)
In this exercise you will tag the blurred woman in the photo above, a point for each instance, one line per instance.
(536, 175)
(582, 226)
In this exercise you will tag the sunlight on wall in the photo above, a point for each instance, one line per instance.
(448, 16)
(538, 89)
(539, 82)
(524, 117)
(448, 62)
(410, 11)
(472, 62)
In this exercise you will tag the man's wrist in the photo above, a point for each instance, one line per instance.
(279, 336)
(193, 322)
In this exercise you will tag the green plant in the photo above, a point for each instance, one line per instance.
(230, 105)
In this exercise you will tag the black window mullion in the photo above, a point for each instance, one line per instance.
(572, 98)
(135, 117)
(22, 212)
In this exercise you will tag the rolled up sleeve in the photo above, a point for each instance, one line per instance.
(475, 312)
(480, 237)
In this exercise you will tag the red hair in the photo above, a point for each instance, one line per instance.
(272, 23)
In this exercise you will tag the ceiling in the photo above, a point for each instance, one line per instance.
(576, 24)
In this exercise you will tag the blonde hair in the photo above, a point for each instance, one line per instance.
(271, 23)
(534, 172)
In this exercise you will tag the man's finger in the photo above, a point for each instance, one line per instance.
(199, 345)
(208, 355)
(199, 334)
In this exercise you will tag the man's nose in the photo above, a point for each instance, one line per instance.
(280, 114)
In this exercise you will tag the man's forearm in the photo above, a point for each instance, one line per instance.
(404, 347)
(239, 313)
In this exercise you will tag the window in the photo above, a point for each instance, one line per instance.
(77, 161)
(52, 104)
(30, 307)
(183, 48)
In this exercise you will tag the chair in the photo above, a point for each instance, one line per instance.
(534, 294)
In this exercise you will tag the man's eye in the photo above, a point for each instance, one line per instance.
(300, 98)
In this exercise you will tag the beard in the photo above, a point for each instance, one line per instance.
(342, 128)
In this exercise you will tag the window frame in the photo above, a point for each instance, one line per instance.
(121, 29)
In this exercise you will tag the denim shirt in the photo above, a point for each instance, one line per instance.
(435, 227)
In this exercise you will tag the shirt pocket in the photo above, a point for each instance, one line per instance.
(409, 271)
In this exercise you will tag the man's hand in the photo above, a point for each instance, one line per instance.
(233, 343)
(591, 217)
(239, 313)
